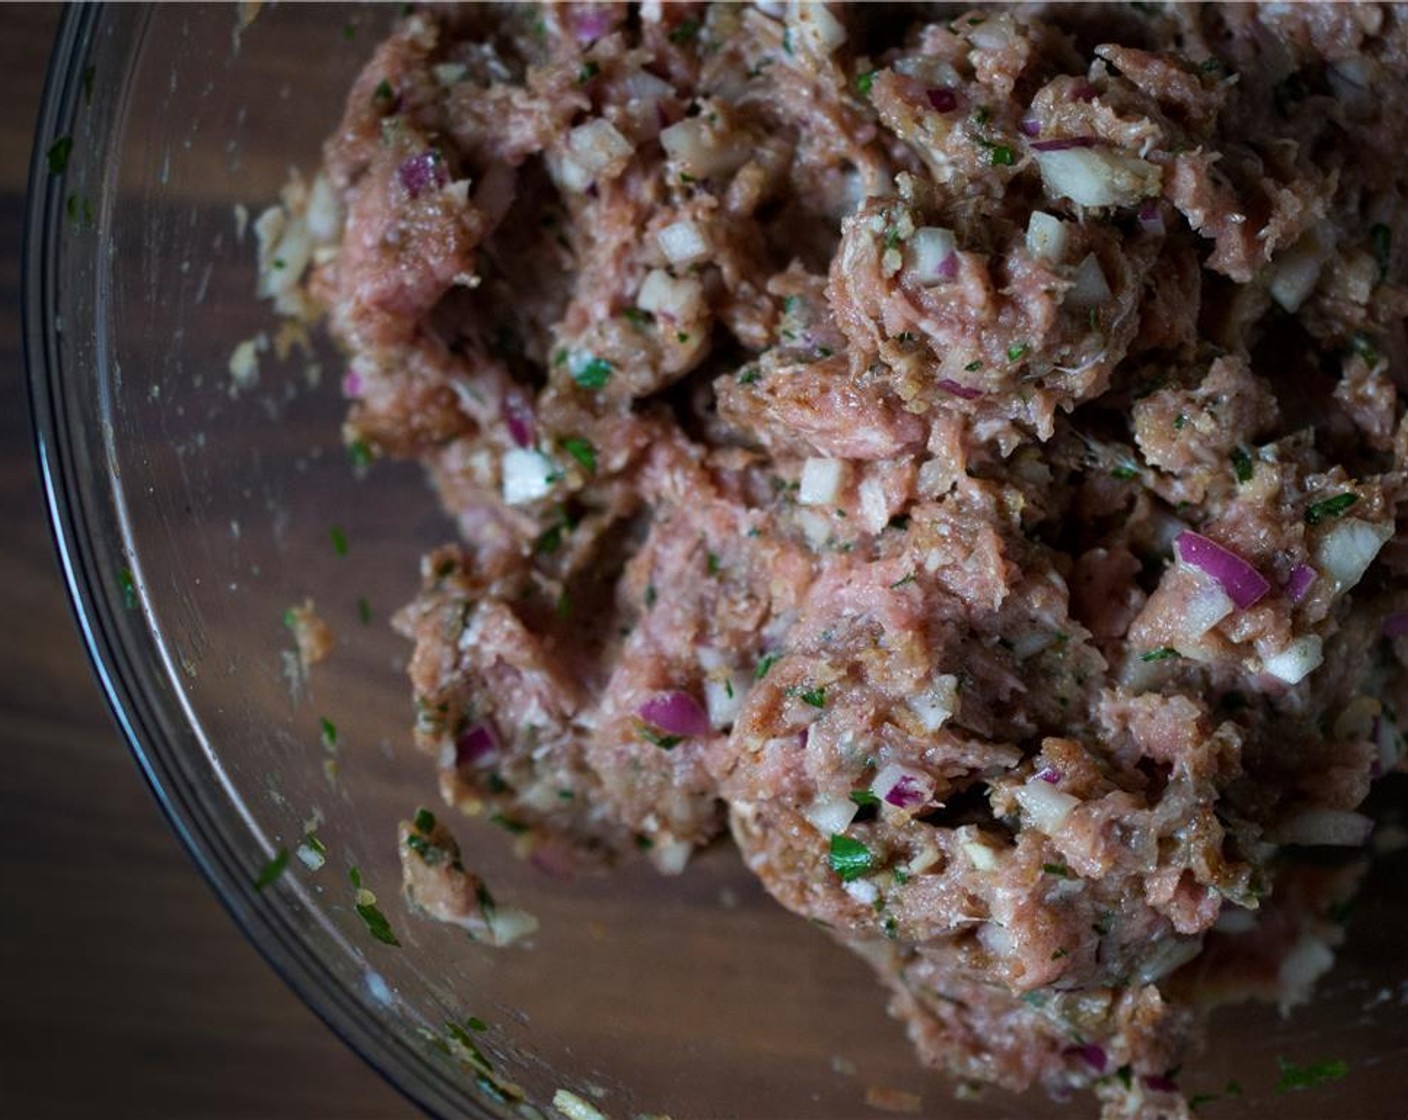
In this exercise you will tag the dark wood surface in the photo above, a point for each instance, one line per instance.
(128, 991)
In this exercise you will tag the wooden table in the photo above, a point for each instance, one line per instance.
(128, 990)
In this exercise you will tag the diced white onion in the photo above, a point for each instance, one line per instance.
(1295, 272)
(574, 1107)
(595, 150)
(698, 149)
(1309, 960)
(814, 27)
(863, 891)
(937, 703)
(1045, 806)
(821, 481)
(979, 855)
(671, 856)
(1167, 957)
(683, 242)
(1205, 607)
(1047, 237)
(324, 211)
(874, 508)
(527, 475)
(724, 700)
(672, 297)
(1095, 177)
(816, 527)
(929, 254)
(1347, 550)
(1339, 828)
(508, 924)
(1297, 661)
(1089, 287)
(448, 73)
(830, 815)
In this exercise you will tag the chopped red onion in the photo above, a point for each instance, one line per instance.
(1029, 126)
(1084, 92)
(942, 100)
(1064, 144)
(474, 746)
(675, 713)
(1299, 581)
(1244, 585)
(351, 383)
(518, 416)
(1050, 774)
(1396, 625)
(1159, 1083)
(966, 392)
(1092, 1054)
(592, 24)
(1151, 219)
(423, 172)
(902, 786)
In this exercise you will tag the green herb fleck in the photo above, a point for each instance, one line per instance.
(1242, 464)
(582, 451)
(711, 561)
(590, 69)
(1125, 473)
(1308, 1077)
(748, 375)
(360, 452)
(376, 923)
(864, 797)
(128, 583)
(339, 540)
(58, 154)
(475, 1023)
(424, 821)
(1060, 870)
(849, 858)
(272, 870)
(638, 318)
(508, 824)
(349, 31)
(563, 607)
(973, 366)
(766, 662)
(1360, 344)
(1126, 1076)
(816, 697)
(1180, 422)
(1323, 510)
(383, 95)
(686, 32)
(1059, 953)
(865, 81)
(1015, 351)
(659, 738)
(594, 374)
(1163, 653)
(902, 581)
(1000, 155)
(329, 732)
(364, 610)
(1381, 237)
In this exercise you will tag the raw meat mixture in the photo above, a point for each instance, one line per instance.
(955, 455)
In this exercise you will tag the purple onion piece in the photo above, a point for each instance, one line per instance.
(423, 172)
(1396, 625)
(592, 24)
(351, 384)
(1050, 774)
(1299, 581)
(1159, 1083)
(1084, 92)
(476, 745)
(906, 793)
(1093, 1055)
(1151, 219)
(1244, 585)
(942, 100)
(676, 713)
(965, 392)
(1065, 143)
(1029, 126)
(518, 417)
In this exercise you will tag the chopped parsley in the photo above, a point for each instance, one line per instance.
(376, 923)
(748, 375)
(1060, 870)
(383, 95)
(1327, 508)
(1016, 351)
(865, 81)
(638, 318)
(973, 366)
(360, 452)
(424, 821)
(1241, 464)
(58, 154)
(711, 561)
(1163, 653)
(1308, 1077)
(80, 211)
(1180, 422)
(1360, 344)
(686, 32)
(582, 451)
(128, 583)
(864, 797)
(1125, 473)
(593, 374)
(364, 610)
(902, 581)
(766, 662)
(1381, 237)
(349, 31)
(339, 540)
(329, 732)
(659, 738)
(816, 697)
(590, 69)
(475, 1023)
(1126, 1076)
(1059, 953)
(1000, 155)
(849, 858)
(508, 824)
(272, 870)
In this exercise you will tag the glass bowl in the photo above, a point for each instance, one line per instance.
(191, 510)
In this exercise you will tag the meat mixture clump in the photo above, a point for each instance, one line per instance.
(959, 460)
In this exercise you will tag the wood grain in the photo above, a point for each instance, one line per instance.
(128, 989)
